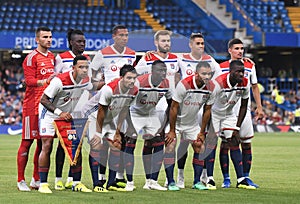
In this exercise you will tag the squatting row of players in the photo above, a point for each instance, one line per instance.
(162, 98)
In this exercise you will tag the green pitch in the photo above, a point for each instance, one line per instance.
(276, 168)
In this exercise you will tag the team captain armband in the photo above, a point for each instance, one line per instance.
(57, 111)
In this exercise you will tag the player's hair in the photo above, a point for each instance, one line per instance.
(233, 42)
(202, 64)
(117, 27)
(79, 57)
(127, 68)
(157, 62)
(161, 32)
(235, 63)
(196, 35)
(70, 34)
(42, 28)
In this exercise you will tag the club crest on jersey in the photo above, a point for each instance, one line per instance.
(189, 72)
(34, 133)
(114, 68)
(43, 130)
(129, 61)
(172, 66)
(71, 134)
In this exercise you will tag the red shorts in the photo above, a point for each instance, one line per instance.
(30, 128)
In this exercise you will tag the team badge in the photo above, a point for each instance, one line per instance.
(71, 136)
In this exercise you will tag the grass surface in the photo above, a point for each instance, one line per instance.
(276, 168)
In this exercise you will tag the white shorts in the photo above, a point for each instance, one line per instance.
(189, 133)
(246, 131)
(221, 123)
(46, 127)
(108, 129)
(149, 125)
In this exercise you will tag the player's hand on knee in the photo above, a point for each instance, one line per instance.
(117, 142)
(96, 140)
(170, 137)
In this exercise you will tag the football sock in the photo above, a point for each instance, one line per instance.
(37, 152)
(94, 165)
(103, 158)
(113, 162)
(210, 162)
(43, 171)
(59, 160)
(157, 159)
(182, 154)
(76, 172)
(236, 157)
(129, 160)
(198, 167)
(147, 155)
(169, 162)
(247, 160)
(224, 161)
(22, 158)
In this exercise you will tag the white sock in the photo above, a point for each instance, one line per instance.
(120, 175)
(240, 179)
(181, 173)
(75, 183)
(211, 178)
(69, 179)
(57, 179)
(102, 177)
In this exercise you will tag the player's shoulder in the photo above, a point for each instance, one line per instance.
(207, 57)
(129, 51)
(65, 54)
(210, 85)
(188, 82)
(225, 64)
(172, 56)
(107, 51)
(248, 64)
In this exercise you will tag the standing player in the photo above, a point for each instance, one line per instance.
(236, 51)
(64, 63)
(187, 64)
(115, 99)
(107, 64)
(233, 87)
(162, 41)
(152, 87)
(58, 101)
(38, 70)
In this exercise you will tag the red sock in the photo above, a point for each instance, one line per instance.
(22, 158)
(37, 152)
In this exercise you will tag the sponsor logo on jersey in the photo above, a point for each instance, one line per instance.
(46, 71)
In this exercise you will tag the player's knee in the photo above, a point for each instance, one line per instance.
(170, 148)
(234, 142)
(246, 146)
(196, 146)
(130, 141)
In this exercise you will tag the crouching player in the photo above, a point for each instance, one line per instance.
(58, 101)
(190, 95)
